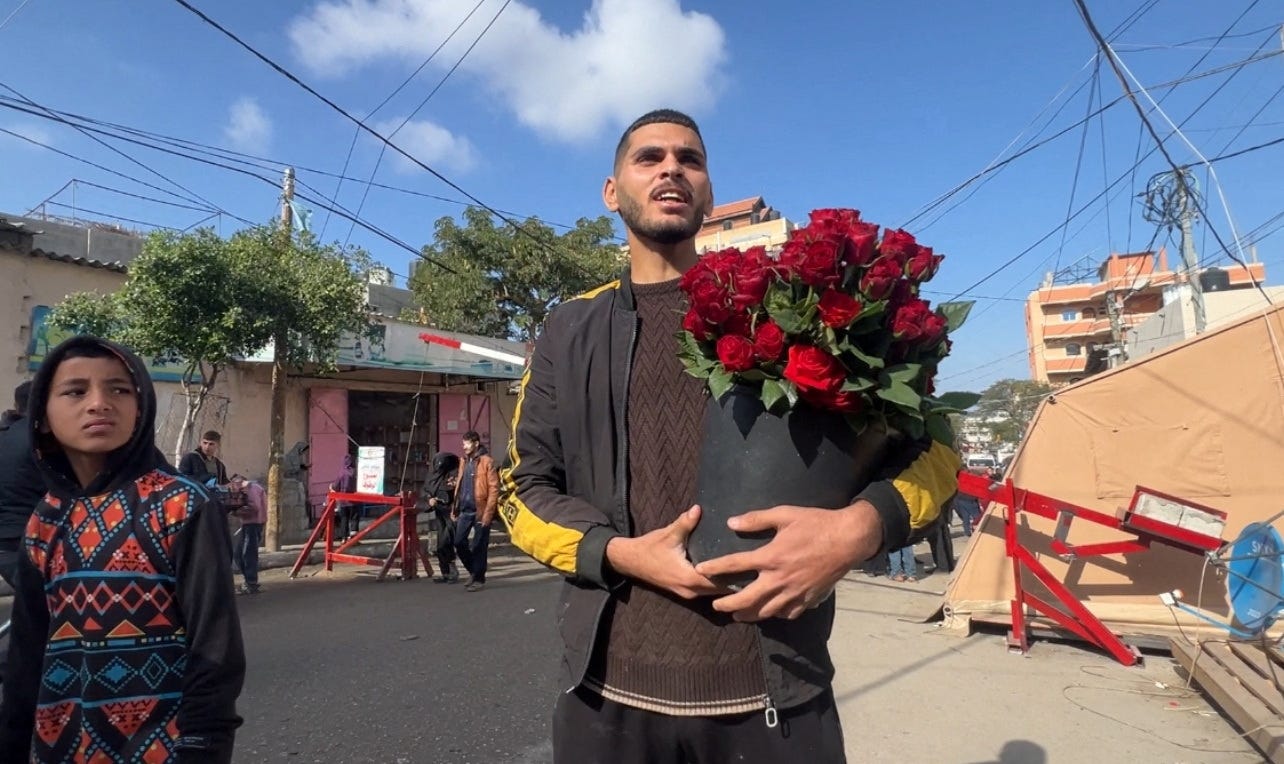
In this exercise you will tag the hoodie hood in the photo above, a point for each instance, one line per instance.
(124, 465)
(443, 464)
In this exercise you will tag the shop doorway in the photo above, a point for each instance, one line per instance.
(405, 431)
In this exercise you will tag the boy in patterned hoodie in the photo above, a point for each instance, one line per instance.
(126, 646)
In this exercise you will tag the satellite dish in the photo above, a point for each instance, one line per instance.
(1254, 564)
(1256, 581)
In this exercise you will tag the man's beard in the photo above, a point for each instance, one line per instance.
(663, 232)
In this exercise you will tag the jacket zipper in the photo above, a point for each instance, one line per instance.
(769, 714)
(624, 428)
(624, 480)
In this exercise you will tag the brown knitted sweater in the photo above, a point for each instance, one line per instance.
(658, 651)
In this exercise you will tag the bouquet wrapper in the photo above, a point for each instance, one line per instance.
(753, 459)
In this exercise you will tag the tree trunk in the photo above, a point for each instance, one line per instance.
(194, 403)
(276, 440)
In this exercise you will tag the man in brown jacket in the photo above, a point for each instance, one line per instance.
(476, 501)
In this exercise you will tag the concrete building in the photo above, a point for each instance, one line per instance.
(743, 224)
(1175, 322)
(1072, 315)
(395, 391)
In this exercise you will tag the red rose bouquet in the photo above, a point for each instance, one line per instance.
(835, 321)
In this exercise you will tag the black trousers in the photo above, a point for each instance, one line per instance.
(588, 729)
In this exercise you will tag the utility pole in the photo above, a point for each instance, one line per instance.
(276, 429)
(1189, 260)
(1114, 311)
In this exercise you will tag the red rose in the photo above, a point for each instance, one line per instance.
(709, 299)
(863, 243)
(910, 320)
(922, 265)
(846, 402)
(898, 245)
(752, 275)
(699, 328)
(838, 309)
(769, 341)
(878, 281)
(814, 370)
(929, 386)
(722, 264)
(934, 327)
(813, 260)
(735, 352)
(738, 323)
(841, 217)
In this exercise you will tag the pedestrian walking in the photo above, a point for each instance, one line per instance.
(476, 503)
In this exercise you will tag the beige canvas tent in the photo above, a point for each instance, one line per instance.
(1203, 420)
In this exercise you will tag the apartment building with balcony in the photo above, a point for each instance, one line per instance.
(743, 224)
(1069, 317)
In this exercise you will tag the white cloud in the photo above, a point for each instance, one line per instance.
(248, 127)
(33, 132)
(627, 57)
(428, 142)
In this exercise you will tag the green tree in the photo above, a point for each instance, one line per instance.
(183, 298)
(316, 296)
(1007, 406)
(505, 281)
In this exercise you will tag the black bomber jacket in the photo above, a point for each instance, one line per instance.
(564, 490)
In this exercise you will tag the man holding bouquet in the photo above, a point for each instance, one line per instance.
(661, 664)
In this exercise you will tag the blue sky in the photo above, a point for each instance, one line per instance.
(879, 106)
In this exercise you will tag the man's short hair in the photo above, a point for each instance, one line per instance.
(656, 117)
(472, 437)
(212, 435)
(22, 396)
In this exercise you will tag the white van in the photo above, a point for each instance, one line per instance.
(980, 461)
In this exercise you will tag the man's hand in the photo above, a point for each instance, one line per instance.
(798, 568)
(660, 558)
(432, 501)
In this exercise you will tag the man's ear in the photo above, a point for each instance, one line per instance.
(708, 207)
(608, 195)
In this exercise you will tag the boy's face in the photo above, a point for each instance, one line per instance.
(92, 406)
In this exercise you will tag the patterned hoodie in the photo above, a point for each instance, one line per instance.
(126, 645)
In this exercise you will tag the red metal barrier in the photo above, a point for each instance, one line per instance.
(1069, 611)
(406, 547)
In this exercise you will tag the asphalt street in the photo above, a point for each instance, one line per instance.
(345, 669)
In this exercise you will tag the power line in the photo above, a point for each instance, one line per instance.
(357, 132)
(997, 166)
(348, 115)
(142, 197)
(103, 127)
(15, 11)
(97, 166)
(78, 208)
(198, 198)
(379, 159)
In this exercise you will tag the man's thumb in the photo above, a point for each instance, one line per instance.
(686, 522)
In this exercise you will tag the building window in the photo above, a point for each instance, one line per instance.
(1069, 315)
(1089, 313)
(1072, 348)
(755, 218)
(726, 225)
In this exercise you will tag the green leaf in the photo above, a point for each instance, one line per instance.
(955, 313)
(959, 401)
(752, 375)
(858, 385)
(791, 392)
(788, 319)
(870, 361)
(938, 426)
(720, 382)
(913, 428)
(905, 372)
(773, 392)
(901, 394)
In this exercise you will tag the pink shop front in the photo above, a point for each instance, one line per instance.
(412, 399)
